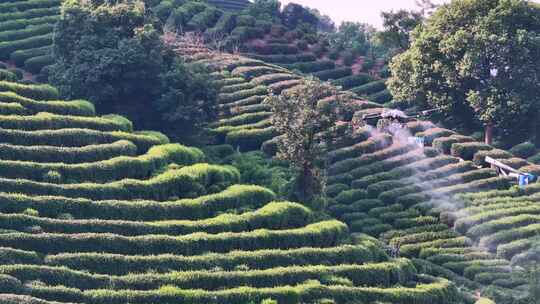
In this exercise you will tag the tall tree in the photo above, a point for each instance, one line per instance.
(301, 119)
(294, 15)
(478, 61)
(398, 26)
(352, 36)
(109, 52)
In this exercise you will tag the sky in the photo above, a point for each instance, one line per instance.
(368, 11)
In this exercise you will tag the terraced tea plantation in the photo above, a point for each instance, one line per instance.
(274, 43)
(94, 212)
(414, 199)
(26, 32)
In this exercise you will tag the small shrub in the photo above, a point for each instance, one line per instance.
(30, 212)
(53, 177)
(524, 150)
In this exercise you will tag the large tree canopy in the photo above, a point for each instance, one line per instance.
(397, 29)
(478, 61)
(110, 53)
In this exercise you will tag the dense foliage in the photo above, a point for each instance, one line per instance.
(114, 56)
(302, 120)
(478, 61)
(398, 26)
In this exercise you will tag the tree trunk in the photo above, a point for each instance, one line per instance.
(489, 133)
(307, 183)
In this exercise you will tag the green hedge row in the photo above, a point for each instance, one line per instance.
(250, 139)
(409, 169)
(43, 92)
(227, 89)
(381, 97)
(12, 108)
(20, 299)
(29, 4)
(435, 291)
(524, 150)
(312, 66)
(114, 264)
(250, 72)
(274, 48)
(493, 183)
(273, 78)
(75, 107)
(221, 132)
(511, 249)
(78, 138)
(494, 226)
(228, 81)
(256, 108)
(350, 196)
(8, 47)
(490, 213)
(230, 64)
(31, 13)
(6, 75)
(391, 163)
(120, 167)
(448, 170)
(19, 57)
(333, 74)
(419, 126)
(444, 144)
(284, 59)
(479, 158)
(413, 250)
(22, 23)
(423, 237)
(190, 181)
(275, 215)
(236, 196)
(252, 100)
(31, 31)
(342, 211)
(279, 87)
(321, 234)
(243, 119)
(370, 145)
(36, 64)
(431, 134)
(349, 164)
(467, 150)
(240, 95)
(434, 185)
(67, 155)
(10, 256)
(352, 81)
(385, 274)
(424, 266)
(370, 88)
(48, 121)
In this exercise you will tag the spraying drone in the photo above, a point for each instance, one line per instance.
(389, 119)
